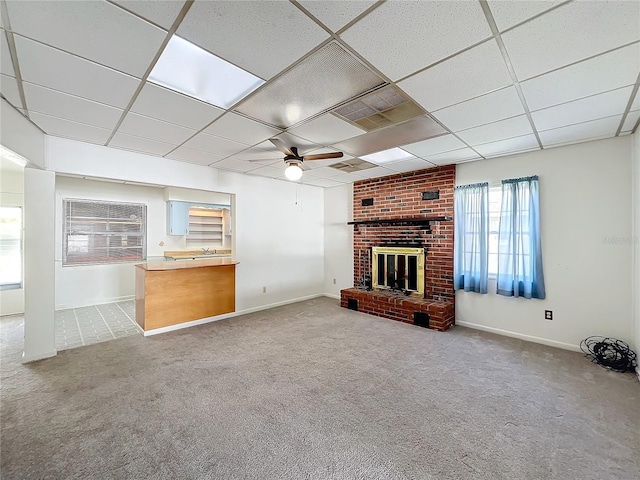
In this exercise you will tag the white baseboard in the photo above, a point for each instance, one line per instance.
(202, 321)
(38, 356)
(521, 336)
(331, 295)
(102, 301)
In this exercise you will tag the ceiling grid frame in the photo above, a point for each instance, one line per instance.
(6, 24)
(634, 93)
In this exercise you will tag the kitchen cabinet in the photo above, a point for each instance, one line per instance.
(201, 223)
(178, 217)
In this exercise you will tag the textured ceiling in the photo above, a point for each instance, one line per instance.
(494, 77)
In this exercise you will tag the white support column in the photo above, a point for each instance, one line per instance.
(39, 264)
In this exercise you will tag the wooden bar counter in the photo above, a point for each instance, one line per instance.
(169, 293)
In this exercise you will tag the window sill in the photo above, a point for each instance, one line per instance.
(11, 286)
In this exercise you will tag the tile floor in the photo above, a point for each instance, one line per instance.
(76, 327)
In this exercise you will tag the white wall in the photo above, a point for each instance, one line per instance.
(20, 135)
(12, 195)
(585, 198)
(636, 240)
(279, 226)
(338, 239)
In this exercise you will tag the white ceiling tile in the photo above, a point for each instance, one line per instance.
(600, 74)
(578, 111)
(374, 172)
(261, 37)
(399, 38)
(489, 108)
(335, 14)
(161, 13)
(240, 129)
(444, 143)
(62, 105)
(9, 88)
(213, 144)
(410, 165)
(6, 66)
(509, 13)
(163, 104)
(65, 128)
(61, 71)
(571, 33)
(601, 128)
(148, 127)
(630, 121)
(326, 130)
(258, 154)
(303, 146)
(470, 74)
(236, 165)
(510, 145)
(98, 31)
(320, 182)
(268, 171)
(508, 128)
(322, 172)
(139, 144)
(455, 156)
(185, 154)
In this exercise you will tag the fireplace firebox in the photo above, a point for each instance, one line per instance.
(398, 268)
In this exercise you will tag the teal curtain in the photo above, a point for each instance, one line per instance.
(471, 236)
(519, 250)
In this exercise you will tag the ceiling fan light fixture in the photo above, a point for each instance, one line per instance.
(293, 172)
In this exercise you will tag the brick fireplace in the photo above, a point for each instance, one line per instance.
(403, 205)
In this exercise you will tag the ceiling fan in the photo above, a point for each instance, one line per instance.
(295, 161)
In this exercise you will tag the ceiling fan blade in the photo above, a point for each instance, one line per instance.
(322, 156)
(304, 167)
(281, 146)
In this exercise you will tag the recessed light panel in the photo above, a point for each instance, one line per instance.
(386, 156)
(188, 69)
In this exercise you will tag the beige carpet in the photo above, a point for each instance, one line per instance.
(313, 391)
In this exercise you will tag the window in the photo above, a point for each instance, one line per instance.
(96, 232)
(495, 203)
(10, 247)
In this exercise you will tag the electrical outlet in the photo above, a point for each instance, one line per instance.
(264, 289)
(334, 281)
(548, 315)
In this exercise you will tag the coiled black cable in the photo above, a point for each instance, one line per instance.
(609, 353)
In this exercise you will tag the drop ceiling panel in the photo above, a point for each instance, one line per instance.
(185, 154)
(511, 145)
(326, 130)
(321, 182)
(237, 165)
(489, 108)
(399, 38)
(326, 78)
(69, 107)
(304, 146)
(9, 88)
(240, 129)
(322, 172)
(508, 128)
(163, 104)
(336, 15)
(255, 154)
(139, 144)
(261, 37)
(470, 74)
(571, 33)
(268, 171)
(65, 128)
(213, 144)
(61, 71)
(148, 127)
(455, 156)
(419, 128)
(374, 172)
(444, 143)
(605, 72)
(630, 121)
(601, 128)
(161, 13)
(578, 111)
(508, 14)
(98, 31)
(6, 66)
(410, 165)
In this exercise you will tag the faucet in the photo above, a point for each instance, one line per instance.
(205, 250)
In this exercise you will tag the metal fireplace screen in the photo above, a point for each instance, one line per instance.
(399, 268)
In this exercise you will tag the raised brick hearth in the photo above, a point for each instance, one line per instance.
(401, 308)
(400, 196)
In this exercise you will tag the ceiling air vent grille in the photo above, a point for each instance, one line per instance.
(383, 107)
(354, 165)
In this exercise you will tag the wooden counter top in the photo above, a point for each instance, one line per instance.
(195, 253)
(182, 264)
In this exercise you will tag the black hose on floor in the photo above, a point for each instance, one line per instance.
(609, 353)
